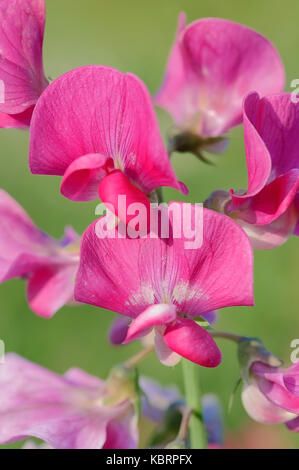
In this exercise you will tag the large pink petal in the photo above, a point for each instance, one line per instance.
(99, 110)
(50, 288)
(128, 275)
(159, 314)
(213, 65)
(21, 68)
(193, 342)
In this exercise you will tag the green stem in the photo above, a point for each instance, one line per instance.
(197, 432)
(226, 335)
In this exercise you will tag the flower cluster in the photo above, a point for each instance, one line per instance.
(96, 128)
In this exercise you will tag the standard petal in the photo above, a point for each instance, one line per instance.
(128, 275)
(21, 68)
(193, 342)
(99, 110)
(214, 64)
(159, 314)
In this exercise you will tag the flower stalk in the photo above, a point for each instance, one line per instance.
(197, 431)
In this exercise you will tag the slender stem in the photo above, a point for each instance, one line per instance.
(184, 426)
(134, 360)
(197, 432)
(225, 335)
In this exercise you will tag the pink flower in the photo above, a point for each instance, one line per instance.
(161, 285)
(272, 395)
(97, 128)
(267, 210)
(213, 65)
(22, 77)
(73, 411)
(48, 265)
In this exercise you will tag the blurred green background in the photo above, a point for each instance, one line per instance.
(136, 36)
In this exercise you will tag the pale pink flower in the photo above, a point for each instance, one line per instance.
(73, 411)
(48, 265)
(214, 63)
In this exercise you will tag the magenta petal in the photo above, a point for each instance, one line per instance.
(159, 314)
(81, 180)
(213, 65)
(193, 342)
(21, 68)
(99, 110)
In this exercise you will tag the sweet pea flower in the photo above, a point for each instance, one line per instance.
(214, 63)
(162, 285)
(96, 127)
(48, 265)
(268, 210)
(272, 395)
(22, 77)
(72, 411)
